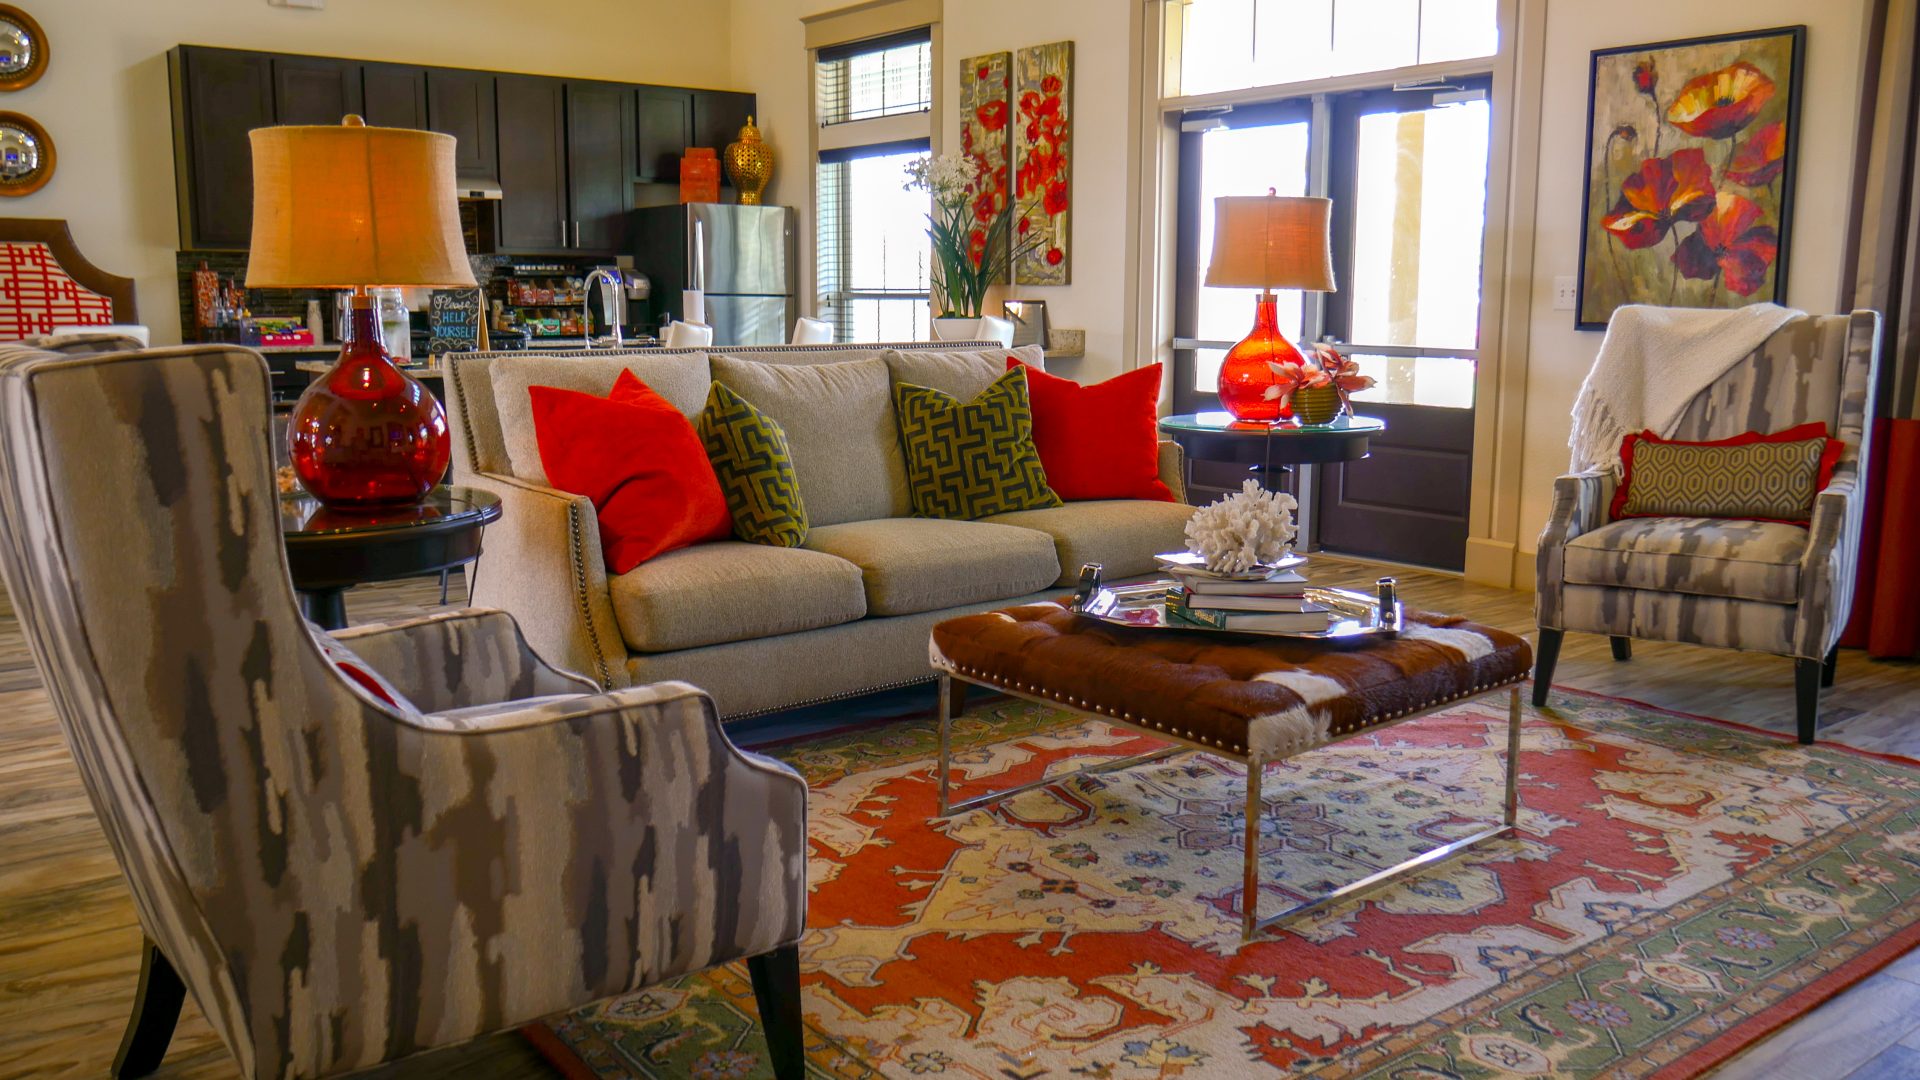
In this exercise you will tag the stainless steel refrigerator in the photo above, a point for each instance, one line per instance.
(740, 256)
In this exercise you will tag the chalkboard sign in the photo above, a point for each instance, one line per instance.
(453, 321)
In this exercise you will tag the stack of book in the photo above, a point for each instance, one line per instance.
(1275, 602)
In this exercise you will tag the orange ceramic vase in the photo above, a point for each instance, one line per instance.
(1245, 375)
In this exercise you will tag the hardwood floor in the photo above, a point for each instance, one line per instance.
(69, 940)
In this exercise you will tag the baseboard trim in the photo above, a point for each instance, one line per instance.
(1490, 562)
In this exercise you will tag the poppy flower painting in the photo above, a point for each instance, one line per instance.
(1690, 172)
(1042, 123)
(986, 95)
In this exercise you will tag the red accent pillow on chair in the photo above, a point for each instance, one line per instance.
(1829, 457)
(640, 463)
(1100, 441)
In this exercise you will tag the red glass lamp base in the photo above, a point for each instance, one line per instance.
(1246, 374)
(366, 435)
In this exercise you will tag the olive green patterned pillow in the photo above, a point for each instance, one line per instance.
(1767, 481)
(749, 453)
(974, 459)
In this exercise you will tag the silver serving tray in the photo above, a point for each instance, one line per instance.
(1144, 606)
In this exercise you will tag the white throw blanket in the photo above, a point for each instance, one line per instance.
(1652, 363)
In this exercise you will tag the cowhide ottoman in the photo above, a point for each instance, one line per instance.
(1256, 700)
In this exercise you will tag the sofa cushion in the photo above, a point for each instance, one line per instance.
(750, 456)
(972, 459)
(923, 564)
(1100, 441)
(1122, 535)
(959, 373)
(840, 428)
(1740, 560)
(732, 591)
(681, 378)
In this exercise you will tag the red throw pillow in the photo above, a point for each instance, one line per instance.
(1100, 441)
(639, 461)
(1817, 429)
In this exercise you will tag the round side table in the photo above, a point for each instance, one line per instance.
(330, 551)
(1269, 450)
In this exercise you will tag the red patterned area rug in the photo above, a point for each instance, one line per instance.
(1680, 888)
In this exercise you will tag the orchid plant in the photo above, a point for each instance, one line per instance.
(1342, 373)
(969, 254)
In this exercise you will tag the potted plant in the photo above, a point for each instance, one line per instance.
(974, 244)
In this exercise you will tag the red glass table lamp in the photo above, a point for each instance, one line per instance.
(1266, 242)
(352, 207)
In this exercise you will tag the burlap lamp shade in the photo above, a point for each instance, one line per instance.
(351, 206)
(1271, 242)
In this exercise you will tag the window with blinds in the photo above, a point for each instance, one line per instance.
(873, 251)
(865, 80)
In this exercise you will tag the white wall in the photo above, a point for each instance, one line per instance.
(104, 98)
(769, 58)
(1558, 356)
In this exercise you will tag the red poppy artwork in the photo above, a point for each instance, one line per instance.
(1690, 172)
(1042, 123)
(986, 109)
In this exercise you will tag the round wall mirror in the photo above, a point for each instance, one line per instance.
(23, 49)
(26, 155)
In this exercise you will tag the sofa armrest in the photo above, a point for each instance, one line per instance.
(1830, 564)
(1173, 469)
(542, 564)
(459, 659)
(1580, 503)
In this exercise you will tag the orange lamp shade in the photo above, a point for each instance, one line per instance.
(349, 206)
(1271, 242)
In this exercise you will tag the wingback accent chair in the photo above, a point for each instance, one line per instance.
(1756, 586)
(338, 881)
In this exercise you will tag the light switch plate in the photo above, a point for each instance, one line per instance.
(1566, 293)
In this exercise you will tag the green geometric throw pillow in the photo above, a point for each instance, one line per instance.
(749, 453)
(972, 460)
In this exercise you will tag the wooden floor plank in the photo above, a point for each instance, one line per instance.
(68, 933)
(1836, 1038)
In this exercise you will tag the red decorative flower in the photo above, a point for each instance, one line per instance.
(1050, 84)
(1761, 157)
(1644, 77)
(1024, 226)
(983, 73)
(1665, 191)
(1055, 256)
(1055, 203)
(977, 246)
(992, 115)
(1719, 103)
(1734, 242)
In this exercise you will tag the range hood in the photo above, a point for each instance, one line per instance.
(471, 189)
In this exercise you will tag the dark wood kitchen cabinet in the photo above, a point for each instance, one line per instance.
(533, 164)
(461, 104)
(314, 89)
(600, 149)
(395, 95)
(718, 116)
(218, 96)
(664, 131)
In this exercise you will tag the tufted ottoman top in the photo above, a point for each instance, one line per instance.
(1251, 696)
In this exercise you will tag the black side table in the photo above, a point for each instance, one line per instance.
(1268, 450)
(330, 551)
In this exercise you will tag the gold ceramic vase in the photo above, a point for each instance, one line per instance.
(749, 164)
(1316, 404)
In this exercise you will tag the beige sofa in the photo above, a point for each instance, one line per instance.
(763, 628)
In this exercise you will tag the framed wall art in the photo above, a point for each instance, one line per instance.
(1043, 162)
(986, 106)
(1690, 172)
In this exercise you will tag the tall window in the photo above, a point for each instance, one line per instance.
(873, 101)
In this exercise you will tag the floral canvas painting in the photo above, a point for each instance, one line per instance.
(986, 106)
(1043, 150)
(1690, 172)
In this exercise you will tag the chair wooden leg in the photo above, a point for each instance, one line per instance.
(1829, 669)
(1622, 647)
(1806, 693)
(156, 1008)
(776, 988)
(1545, 655)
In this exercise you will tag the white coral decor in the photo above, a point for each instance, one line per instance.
(1243, 530)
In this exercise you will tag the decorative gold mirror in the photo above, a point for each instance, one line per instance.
(26, 155)
(23, 49)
